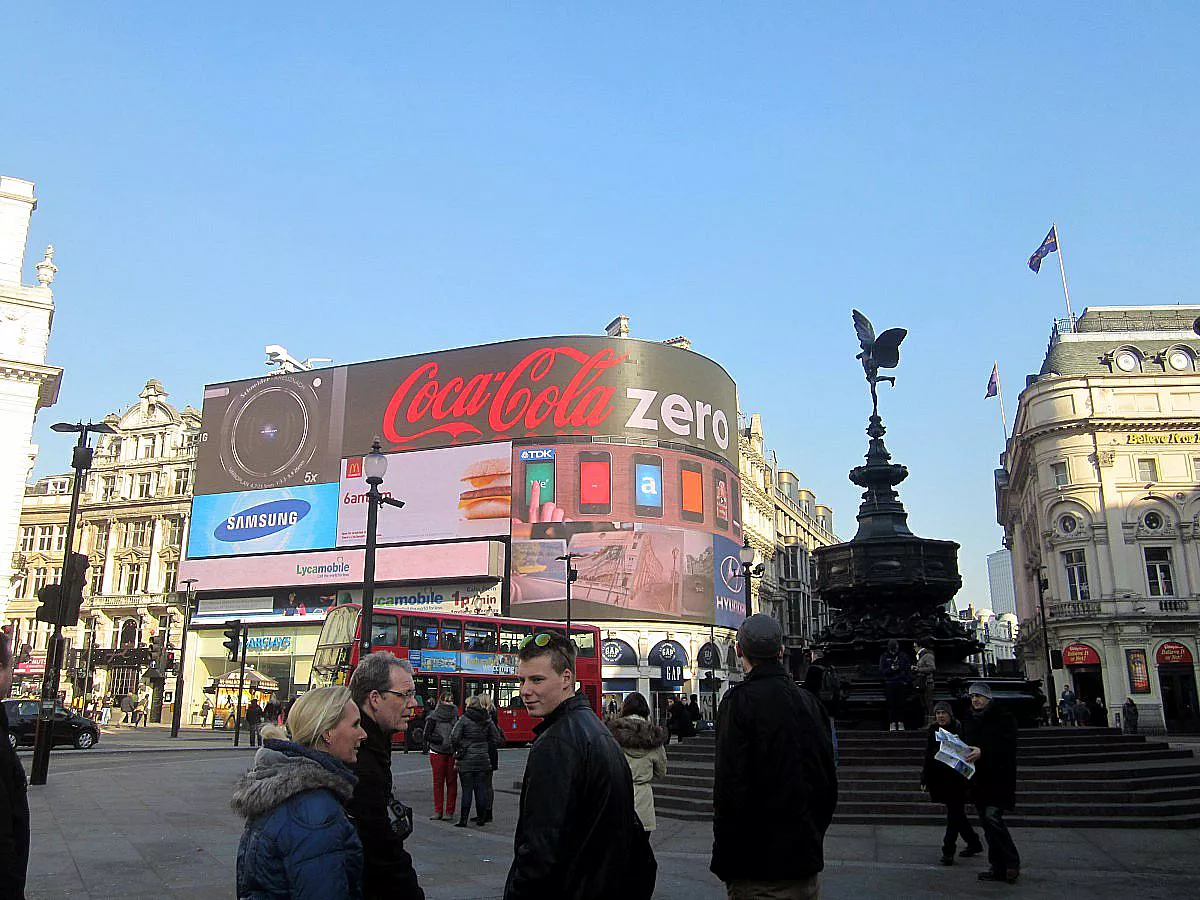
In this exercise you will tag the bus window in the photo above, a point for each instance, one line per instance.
(511, 637)
(450, 633)
(451, 684)
(486, 686)
(510, 694)
(585, 643)
(385, 631)
(480, 638)
(419, 634)
(426, 688)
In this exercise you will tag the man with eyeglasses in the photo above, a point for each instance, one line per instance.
(578, 835)
(382, 687)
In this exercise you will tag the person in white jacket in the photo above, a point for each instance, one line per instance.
(644, 746)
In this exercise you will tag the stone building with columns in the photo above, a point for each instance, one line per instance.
(1099, 497)
(133, 525)
(27, 384)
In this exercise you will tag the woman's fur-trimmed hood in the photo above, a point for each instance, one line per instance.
(283, 769)
(636, 735)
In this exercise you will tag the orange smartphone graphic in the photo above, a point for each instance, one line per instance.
(595, 482)
(691, 494)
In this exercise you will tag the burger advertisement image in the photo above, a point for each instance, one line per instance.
(453, 493)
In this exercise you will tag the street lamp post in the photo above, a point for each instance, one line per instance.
(1042, 585)
(572, 575)
(749, 570)
(177, 709)
(374, 467)
(81, 461)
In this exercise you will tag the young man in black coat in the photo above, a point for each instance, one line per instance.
(382, 687)
(14, 802)
(578, 834)
(991, 733)
(776, 786)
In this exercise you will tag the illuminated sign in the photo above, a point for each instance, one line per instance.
(269, 521)
(269, 644)
(1080, 655)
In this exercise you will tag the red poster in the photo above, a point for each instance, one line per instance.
(1139, 674)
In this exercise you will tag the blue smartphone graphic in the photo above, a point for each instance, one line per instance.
(647, 485)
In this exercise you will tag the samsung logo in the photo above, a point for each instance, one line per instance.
(262, 520)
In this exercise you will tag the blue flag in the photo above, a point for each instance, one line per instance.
(1049, 245)
(994, 382)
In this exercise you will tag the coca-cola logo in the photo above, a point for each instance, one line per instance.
(526, 396)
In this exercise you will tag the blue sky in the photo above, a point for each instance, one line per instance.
(382, 179)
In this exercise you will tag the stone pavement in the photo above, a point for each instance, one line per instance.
(153, 824)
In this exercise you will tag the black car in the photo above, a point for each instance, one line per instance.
(69, 728)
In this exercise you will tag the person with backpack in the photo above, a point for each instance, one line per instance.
(439, 725)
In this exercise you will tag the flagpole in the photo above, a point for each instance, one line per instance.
(1000, 394)
(1062, 270)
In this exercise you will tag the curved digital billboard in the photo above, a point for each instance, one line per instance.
(618, 451)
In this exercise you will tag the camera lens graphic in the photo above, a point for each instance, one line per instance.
(268, 435)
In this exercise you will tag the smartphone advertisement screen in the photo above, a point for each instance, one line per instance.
(595, 482)
(691, 486)
(647, 485)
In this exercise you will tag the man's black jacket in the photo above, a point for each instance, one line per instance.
(577, 830)
(387, 867)
(994, 732)
(776, 787)
(14, 820)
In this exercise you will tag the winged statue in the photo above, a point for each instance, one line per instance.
(882, 352)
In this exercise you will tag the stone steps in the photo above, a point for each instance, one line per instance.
(1067, 777)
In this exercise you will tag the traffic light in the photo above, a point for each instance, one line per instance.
(233, 638)
(157, 642)
(50, 598)
(74, 576)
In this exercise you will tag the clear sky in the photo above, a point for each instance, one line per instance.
(361, 181)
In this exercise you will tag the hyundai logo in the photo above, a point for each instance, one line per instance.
(731, 574)
(262, 520)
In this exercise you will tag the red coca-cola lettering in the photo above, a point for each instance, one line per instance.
(524, 395)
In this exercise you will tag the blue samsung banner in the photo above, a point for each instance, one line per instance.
(269, 521)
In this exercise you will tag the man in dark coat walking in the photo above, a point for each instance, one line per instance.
(578, 835)
(254, 717)
(991, 733)
(14, 802)
(776, 786)
(382, 687)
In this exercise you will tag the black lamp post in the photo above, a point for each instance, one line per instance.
(81, 461)
(749, 570)
(572, 575)
(374, 467)
(1051, 700)
(177, 709)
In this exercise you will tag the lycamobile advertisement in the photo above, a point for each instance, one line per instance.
(270, 521)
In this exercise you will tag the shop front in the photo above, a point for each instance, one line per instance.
(1083, 664)
(1177, 681)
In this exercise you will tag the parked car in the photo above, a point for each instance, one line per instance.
(69, 728)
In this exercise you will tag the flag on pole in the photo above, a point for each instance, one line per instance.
(993, 387)
(1049, 245)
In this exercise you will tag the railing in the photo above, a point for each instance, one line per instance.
(131, 600)
(1139, 607)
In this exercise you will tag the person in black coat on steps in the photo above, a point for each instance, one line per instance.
(949, 788)
(991, 733)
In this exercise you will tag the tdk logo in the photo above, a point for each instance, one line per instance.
(540, 453)
(259, 521)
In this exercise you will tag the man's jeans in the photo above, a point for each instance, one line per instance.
(1002, 852)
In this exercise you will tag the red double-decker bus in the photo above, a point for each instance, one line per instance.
(456, 654)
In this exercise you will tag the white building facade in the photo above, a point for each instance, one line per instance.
(27, 384)
(1099, 497)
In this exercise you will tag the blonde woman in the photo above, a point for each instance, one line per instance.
(298, 841)
(473, 737)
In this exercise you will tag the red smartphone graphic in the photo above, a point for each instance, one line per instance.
(721, 499)
(595, 482)
(691, 493)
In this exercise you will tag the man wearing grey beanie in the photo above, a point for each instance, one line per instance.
(991, 733)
